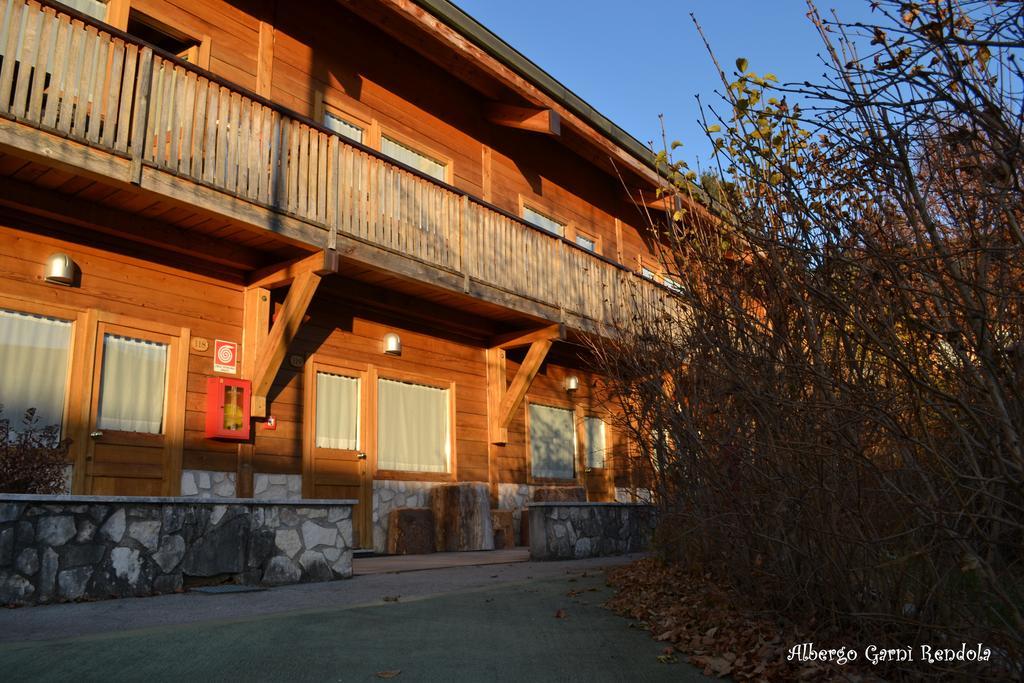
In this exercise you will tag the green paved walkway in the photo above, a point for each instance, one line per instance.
(507, 633)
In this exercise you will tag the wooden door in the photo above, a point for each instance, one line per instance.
(335, 462)
(136, 409)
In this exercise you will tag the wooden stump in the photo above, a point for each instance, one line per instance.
(462, 517)
(411, 531)
(560, 494)
(504, 529)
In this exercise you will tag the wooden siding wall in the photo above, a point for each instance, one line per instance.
(511, 461)
(153, 287)
(374, 79)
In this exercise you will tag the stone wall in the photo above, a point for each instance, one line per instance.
(57, 548)
(207, 485)
(638, 495)
(563, 531)
(277, 486)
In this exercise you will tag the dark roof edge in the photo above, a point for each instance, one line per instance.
(486, 40)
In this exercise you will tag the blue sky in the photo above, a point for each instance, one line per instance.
(637, 59)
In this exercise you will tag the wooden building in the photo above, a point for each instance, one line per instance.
(390, 226)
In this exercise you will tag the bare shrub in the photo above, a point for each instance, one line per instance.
(835, 424)
(32, 457)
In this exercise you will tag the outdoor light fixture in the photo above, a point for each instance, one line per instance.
(572, 383)
(60, 270)
(392, 344)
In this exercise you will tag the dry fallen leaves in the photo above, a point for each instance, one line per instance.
(388, 674)
(711, 625)
(560, 614)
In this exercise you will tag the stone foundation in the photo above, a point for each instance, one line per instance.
(58, 548)
(207, 485)
(390, 495)
(564, 531)
(277, 486)
(641, 496)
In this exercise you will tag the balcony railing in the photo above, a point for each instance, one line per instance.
(63, 73)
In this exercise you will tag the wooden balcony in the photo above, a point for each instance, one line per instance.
(86, 97)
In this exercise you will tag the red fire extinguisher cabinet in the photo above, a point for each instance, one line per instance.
(227, 408)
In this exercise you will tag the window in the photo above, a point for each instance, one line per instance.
(413, 427)
(337, 412)
(342, 127)
(674, 285)
(133, 385)
(410, 157)
(164, 37)
(594, 431)
(586, 242)
(97, 9)
(648, 273)
(545, 222)
(552, 442)
(33, 367)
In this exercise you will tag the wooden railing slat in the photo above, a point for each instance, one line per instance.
(29, 46)
(13, 28)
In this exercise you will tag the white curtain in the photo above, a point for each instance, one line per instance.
(552, 442)
(593, 428)
(412, 427)
(411, 157)
(33, 367)
(337, 412)
(133, 385)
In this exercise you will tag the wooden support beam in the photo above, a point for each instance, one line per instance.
(286, 326)
(503, 399)
(265, 59)
(323, 262)
(255, 329)
(496, 386)
(518, 338)
(544, 121)
(516, 392)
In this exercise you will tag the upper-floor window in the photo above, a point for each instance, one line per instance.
(673, 284)
(587, 243)
(543, 221)
(410, 157)
(97, 9)
(342, 127)
(648, 273)
(165, 37)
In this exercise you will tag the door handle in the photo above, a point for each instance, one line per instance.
(361, 456)
(96, 435)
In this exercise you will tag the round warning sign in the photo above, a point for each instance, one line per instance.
(225, 357)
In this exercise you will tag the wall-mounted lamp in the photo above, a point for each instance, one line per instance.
(60, 270)
(572, 383)
(392, 344)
